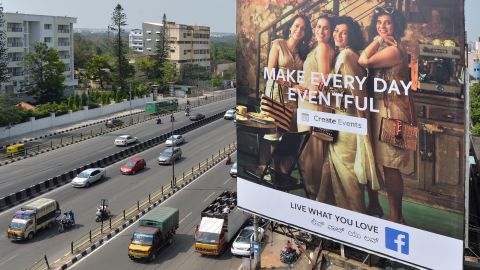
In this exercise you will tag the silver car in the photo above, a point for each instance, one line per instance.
(169, 155)
(175, 140)
(125, 140)
(88, 176)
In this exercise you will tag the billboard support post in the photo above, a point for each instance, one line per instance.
(256, 255)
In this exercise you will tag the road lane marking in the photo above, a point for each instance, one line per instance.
(227, 180)
(7, 260)
(183, 219)
(209, 196)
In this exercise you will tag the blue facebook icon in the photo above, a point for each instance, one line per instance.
(396, 240)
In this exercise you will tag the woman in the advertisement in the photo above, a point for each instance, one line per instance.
(387, 58)
(320, 59)
(288, 54)
(349, 163)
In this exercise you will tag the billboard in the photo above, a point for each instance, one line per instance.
(350, 122)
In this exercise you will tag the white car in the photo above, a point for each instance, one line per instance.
(175, 140)
(243, 243)
(233, 170)
(88, 176)
(125, 140)
(230, 114)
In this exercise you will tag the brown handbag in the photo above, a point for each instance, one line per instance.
(399, 133)
(277, 110)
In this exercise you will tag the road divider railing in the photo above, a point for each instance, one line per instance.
(56, 143)
(57, 181)
(107, 229)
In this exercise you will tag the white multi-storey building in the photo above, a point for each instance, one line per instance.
(188, 43)
(135, 40)
(23, 31)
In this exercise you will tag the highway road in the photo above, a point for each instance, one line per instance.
(180, 255)
(25, 173)
(122, 191)
(97, 128)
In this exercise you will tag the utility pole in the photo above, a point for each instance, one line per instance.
(130, 99)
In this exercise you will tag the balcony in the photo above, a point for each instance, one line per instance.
(63, 43)
(14, 29)
(15, 44)
(15, 59)
(64, 56)
(65, 31)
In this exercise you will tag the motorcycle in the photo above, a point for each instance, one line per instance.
(66, 221)
(288, 255)
(172, 118)
(159, 121)
(103, 211)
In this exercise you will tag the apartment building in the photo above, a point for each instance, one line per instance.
(474, 61)
(22, 31)
(188, 43)
(135, 40)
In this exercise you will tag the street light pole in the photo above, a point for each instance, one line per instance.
(130, 99)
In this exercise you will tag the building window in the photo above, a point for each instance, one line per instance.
(184, 35)
(47, 39)
(47, 26)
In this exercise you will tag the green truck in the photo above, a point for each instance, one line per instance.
(156, 230)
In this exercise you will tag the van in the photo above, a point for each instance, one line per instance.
(31, 218)
(15, 150)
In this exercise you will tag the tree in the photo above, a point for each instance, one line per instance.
(146, 65)
(98, 68)
(162, 51)
(119, 20)
(82, 51)
(475, 108)
(46, 73)
(190, 74)
(169, 72)
(9, 113)
(3, 49)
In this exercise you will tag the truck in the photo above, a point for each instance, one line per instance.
(156, 230)
(31, 218)
(219, 224)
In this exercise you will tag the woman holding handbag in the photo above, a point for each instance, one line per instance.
(320, 59)
(288, 53)
(349, 163)
(387, 58)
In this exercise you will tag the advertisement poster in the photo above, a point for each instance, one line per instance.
(350, 122)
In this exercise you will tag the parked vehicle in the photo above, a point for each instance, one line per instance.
(233, 170)
(31, 218)
(15, 150)
(156, 230)
(230, 114)
(88, 176)
(125, 140)
(103, 211)
(169, 155)
(175, 140)
(241, 246)
(113, 123)
(220, 221)
(66, 221)
(133, 165)
(195, 116)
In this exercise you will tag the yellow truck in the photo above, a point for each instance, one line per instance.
(31, 218)
(156, 230)
(220, 221)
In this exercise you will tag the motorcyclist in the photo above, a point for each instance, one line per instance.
(70, 217)
(228, 161)
(187, 111)
(172, 118)
(159, 120)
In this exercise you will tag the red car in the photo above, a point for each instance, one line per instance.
(134, 165)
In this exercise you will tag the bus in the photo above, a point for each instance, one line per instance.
(161, 106)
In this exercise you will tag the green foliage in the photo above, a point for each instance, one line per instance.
(10, 113)
(46, 72)
(190, 74)
(145, 65)
(223, 49)
(168, 71)
(3, 48)
(123, 68)
(83, 50)
(217, 80)
(71, 102)
(78, 101)
(84, 99)
(98, 67)
(475, 108)
(162, 51)
(118, 96)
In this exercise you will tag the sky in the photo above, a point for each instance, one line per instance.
(218, 14)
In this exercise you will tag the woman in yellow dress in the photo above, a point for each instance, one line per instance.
(349, 163)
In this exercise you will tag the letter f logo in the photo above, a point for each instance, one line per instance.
(397, 240)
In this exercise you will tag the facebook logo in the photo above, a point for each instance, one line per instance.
(396, 240)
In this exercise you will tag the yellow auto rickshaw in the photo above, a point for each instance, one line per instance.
(15, 150)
